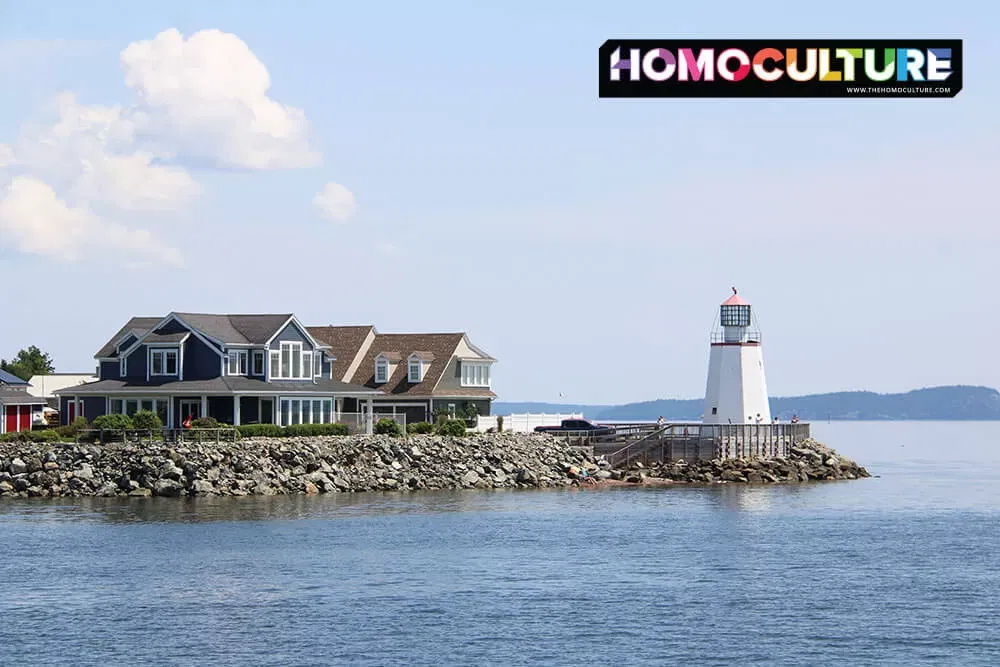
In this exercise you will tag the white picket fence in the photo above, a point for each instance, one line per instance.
(525, 423)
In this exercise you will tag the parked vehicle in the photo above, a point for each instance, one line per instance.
(577, 426)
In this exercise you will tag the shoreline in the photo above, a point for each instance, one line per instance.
(346, 464)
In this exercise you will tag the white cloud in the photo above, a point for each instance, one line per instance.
(202, 99)
(34, 220)
(207, 97)
(335, 202)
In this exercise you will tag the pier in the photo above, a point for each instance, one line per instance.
(650, 442)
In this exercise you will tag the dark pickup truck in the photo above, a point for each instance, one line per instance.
(575, 425)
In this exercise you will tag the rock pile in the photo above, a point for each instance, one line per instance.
(273, 466)
(807, 461)
(332, 464)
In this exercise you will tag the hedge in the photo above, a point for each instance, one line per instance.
(387, 427)
(420, 428)
(295, 430)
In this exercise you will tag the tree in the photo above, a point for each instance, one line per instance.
(27, 363)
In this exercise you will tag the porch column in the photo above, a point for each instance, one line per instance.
(170, 412)
(369, 417)
(236, 409)
(204, 406)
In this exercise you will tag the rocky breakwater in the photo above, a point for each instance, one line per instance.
(807, 461)
(266, 466)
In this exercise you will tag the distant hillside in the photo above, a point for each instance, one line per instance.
(935, 403)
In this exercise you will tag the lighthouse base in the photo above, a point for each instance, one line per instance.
(736, 392)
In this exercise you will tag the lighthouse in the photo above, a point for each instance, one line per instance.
(736, 392)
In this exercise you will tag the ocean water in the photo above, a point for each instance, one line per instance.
(901, 569)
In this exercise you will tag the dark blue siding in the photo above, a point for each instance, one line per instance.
(108, 370)
(173, 326)
(135, 365)
(290, 333)
(201, 362)
(94, 407)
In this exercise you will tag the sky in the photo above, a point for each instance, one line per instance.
(448, 166)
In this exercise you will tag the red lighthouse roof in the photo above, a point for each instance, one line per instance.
(735, 300)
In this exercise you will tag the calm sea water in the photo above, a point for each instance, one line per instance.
(901, 569)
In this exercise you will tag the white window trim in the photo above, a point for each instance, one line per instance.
(242, 360)
(420, 369)
(328, 407)
(123, 367)
(255, 368)
(164, 351)
(381, 363)
(303, 372)
(470, 369)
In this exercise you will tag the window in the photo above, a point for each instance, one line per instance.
(122, 367)
(306, 411)
(163, 362)
(237, 362)
(319, 364)
(291, 362)
(416, 369)
(381, 371)
(258, 362)
(129, 406)
(475, 374)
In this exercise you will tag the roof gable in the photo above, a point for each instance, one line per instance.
(139, 325)
(345, 343)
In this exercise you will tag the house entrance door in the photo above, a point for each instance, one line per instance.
(190, 409)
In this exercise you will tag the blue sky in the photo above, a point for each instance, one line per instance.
(585, 243)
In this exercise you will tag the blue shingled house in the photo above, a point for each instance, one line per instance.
(239, 369)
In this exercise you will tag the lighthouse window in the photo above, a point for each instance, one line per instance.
(715, 411)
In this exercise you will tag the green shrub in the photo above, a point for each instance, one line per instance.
(46, 435)
(260, 430)
(295, 430)
(315, 429)
(387, 427)
(147, 420)
(113, 422)
(420, 428)
(205, 422)
(69, 431)
(453, 427)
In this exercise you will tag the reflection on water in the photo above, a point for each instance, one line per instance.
(894, 570)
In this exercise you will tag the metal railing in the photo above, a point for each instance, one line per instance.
(748, 337)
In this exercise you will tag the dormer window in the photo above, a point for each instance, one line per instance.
(122, 367)
(163, 362)
(475, 374)
(237, 362)
(381, 370)
(416, 369)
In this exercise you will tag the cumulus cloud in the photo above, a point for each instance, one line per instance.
(36, 221)
(207, 97)
(201, 100)
(335, 202)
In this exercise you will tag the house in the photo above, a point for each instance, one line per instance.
(418, 374)
(238, 369)
(19, 409)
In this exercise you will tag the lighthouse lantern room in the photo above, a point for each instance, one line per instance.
(736, 392)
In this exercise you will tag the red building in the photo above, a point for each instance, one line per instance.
(17, 406)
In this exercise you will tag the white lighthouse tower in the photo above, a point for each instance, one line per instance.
(736, 391)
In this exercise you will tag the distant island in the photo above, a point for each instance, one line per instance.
(932, 403)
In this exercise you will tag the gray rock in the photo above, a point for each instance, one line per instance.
(470, 478)
(84, 472)
(18, 467)
(167, 488)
